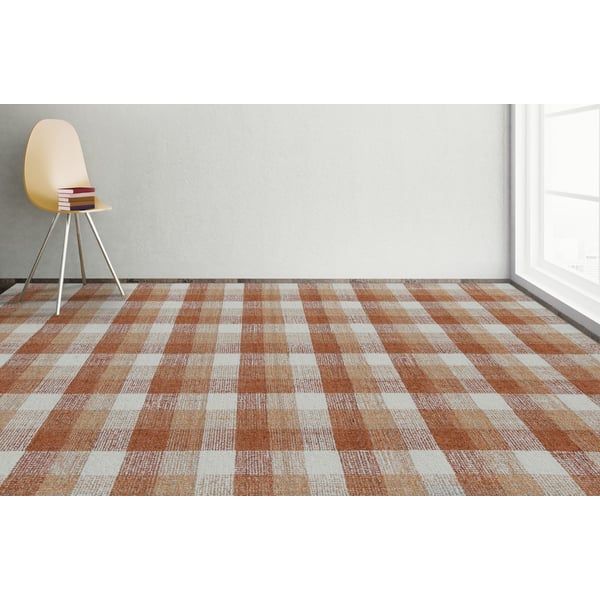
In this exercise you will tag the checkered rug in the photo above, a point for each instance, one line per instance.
(311, 388)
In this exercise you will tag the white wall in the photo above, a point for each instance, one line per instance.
(276, 191)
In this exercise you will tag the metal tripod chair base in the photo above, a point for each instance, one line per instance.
(64, 256)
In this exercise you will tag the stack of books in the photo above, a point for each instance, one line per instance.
(76, 198)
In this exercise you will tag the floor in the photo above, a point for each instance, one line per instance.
(310, 388)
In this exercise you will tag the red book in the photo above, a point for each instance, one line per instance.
(76, 190)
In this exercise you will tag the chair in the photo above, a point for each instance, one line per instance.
(54, 159)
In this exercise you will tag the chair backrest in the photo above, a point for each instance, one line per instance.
(53, 159)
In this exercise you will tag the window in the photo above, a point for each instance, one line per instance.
(557, 201)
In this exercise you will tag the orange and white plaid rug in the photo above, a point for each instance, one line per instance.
(310, 388)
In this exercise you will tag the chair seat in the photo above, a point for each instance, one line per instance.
(100, 206)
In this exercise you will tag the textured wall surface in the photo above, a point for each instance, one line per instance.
(275, 191)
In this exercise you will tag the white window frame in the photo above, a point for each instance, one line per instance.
(529, 265)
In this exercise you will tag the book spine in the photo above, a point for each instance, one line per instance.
(79, 190)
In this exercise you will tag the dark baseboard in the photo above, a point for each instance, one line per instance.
(557, 312)
(5, 284)
(10, 282)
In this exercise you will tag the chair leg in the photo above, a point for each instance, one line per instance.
(80, 247)
(89, 218)
(62, 265)
(37, 260)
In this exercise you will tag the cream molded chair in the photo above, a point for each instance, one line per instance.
(54, 159)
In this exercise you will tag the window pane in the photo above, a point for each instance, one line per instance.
(553, 108)
(572, 153)
(571, 235)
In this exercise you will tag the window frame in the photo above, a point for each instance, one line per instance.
(529, 262)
